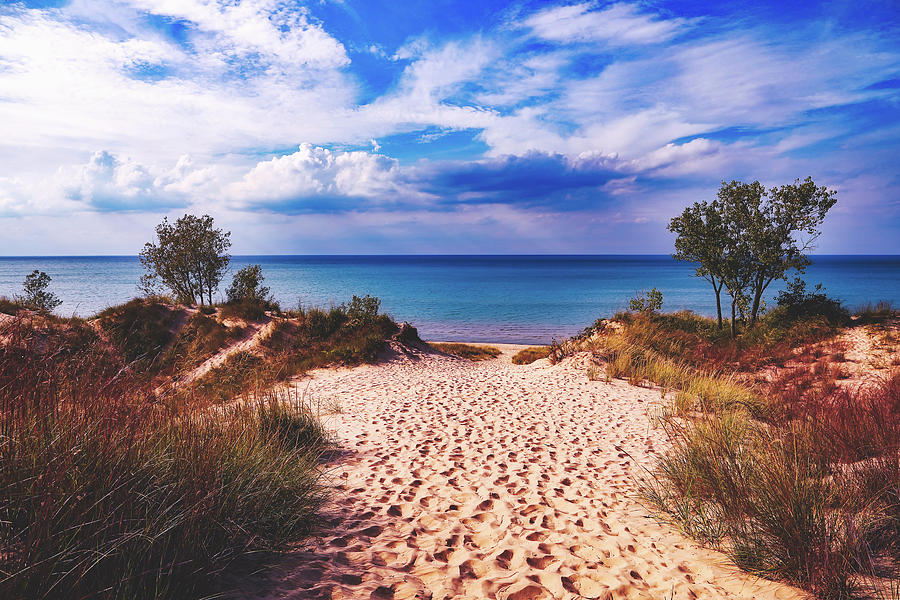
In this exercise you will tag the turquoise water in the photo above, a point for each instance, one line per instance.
(518, 299)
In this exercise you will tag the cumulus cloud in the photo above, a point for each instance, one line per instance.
(242, 78)
(110, 183)
(315, 178)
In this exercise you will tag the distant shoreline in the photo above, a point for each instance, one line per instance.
(525, 299)
(549, 255)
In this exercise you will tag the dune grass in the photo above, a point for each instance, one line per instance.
(795, 477)
(467, 351)
(107, 491)
(10, 306)
(310, 339)
(877, 312)
(529, 355)
(811, 497)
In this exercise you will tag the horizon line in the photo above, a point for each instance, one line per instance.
(386, 255)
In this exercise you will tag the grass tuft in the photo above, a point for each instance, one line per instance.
(467, 351)
(529, 355)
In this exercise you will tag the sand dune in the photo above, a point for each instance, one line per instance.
(492, 480)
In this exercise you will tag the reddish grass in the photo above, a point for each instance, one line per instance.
(109, 492)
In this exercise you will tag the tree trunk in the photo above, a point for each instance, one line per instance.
(757, 296)
(718, 304)
(200, 283)
(733, 319)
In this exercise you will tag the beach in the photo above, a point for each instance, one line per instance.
(460, 479)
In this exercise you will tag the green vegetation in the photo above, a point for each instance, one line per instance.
(348, 334)
(875, 313)
(36, 296)
(811, 496)
(467, 351)
(110, 490)
(794, 476)
(105, 492)
(189, 259)
(748, 237)
(529, 355)
(796, 304)
(246, 285)
(651, 301)
(248, 298)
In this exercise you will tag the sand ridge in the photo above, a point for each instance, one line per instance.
(492, 480)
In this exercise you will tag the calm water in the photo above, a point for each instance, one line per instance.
(524, 299)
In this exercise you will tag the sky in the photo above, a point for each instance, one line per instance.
(438, 126)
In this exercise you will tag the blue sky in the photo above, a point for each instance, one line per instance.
(436, 126)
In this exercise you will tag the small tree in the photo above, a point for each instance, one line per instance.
(647, 301)
(767, 226)
(189, 258)
(36, 295)
(246, 286)
(362, 311)
(702, 238)
(748, 237)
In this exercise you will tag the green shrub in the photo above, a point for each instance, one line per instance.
(362, 311)
(796, 303)
(247, 285)
(647, 301)
(247, 297)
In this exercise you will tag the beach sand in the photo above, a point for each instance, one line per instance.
(460, 479)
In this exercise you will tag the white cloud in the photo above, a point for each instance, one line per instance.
(241, 82)
(255, 27)
(314, 172)
(619, 24)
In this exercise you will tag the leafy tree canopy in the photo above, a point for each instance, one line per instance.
(189, 258)
(749, 237)
(36, 296)
(246, 286)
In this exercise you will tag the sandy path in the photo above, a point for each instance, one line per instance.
(484, 480)
(254, 334)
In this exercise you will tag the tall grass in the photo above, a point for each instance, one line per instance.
(641, 354)
(796, 477)
(812, 498)
(9, 306)
(875, 312)
(107, 492)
